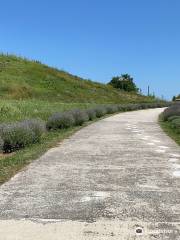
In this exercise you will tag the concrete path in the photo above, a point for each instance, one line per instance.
(118, 178)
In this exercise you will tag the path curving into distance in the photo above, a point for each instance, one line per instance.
(118, 178)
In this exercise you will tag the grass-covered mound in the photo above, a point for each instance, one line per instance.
(41, 106)
(24, 79)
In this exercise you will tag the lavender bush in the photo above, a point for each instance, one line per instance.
(91, 114)
(173, 110)
(112, 109)
(60, 121)
(21, 134)
(100, 111)
(80, 116)
(16, 136)
(37, 126)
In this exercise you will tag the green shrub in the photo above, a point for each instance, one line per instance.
(124, 107)
(80, 116)
(176, 124)
(143, 106)
(172, 118)
(120, 108)
(91, 114)
(21, 134)
(100, 111)
(16, 136)
(111, 109)
(38, 126)
(124, 82)
(173, 110)
(60, 121)
(133, 107)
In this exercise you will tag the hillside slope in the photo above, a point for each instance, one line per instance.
(23, 79)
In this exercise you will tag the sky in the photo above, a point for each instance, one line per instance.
(99, 39)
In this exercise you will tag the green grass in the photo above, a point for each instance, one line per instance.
(15, 110)
(24, 79)
(170, 131)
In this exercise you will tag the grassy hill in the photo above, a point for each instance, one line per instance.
(24, 79)
(29, 89)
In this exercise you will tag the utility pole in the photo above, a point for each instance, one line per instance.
(148, 90)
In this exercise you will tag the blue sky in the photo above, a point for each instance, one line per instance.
(98, 39)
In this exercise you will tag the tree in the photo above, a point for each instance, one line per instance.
(124, 82)
(174, 98)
